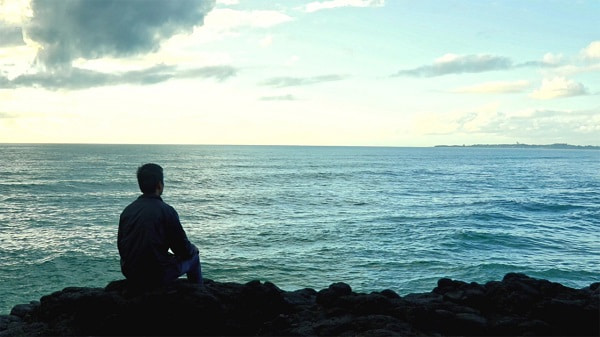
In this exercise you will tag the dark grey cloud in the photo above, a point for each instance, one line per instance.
(281, 82)
(10, 36)
(5, 83)
(278, 98)
(458, 64)
(69, 29)
(76, 78)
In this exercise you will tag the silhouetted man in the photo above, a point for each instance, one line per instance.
(148, 229)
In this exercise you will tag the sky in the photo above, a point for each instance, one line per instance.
(289, 72)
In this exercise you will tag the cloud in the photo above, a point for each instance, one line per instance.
(548, 61)
(552, 125)
(10, 36)
(228, 2)
(456, 121)
(278, 98)
(225, 19)
(553, 59)
(530, 125)
(14, 11)
(292, 60)
(498, 87)
(592, 51)
(220, 73)
(559, 87)
(320, 5)
(76, 78)
(266, 41)
(281, 82)
(70, 29)
(458, 64)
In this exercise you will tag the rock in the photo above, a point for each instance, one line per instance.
(471, 324)
(517, 305)
(389, 293)
(301, 297)
(375, 303)
(23, 310)
(6, 320)
(330, 296)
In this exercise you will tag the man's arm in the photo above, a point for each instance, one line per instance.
(177, 239)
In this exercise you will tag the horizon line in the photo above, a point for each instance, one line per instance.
(302, 145)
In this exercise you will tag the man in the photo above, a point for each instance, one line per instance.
(148, 228)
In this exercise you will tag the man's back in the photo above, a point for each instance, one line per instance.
(148, 228)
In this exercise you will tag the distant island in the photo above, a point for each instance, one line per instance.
(517, 145)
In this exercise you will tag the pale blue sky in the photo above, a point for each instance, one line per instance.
(335, 72)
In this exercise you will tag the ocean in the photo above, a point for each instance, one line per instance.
(373, 217)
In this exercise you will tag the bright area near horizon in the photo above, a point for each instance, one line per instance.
(333, 72)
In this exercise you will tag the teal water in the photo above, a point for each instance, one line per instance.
(375, 218)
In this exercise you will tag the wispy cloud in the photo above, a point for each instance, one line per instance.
(477, 63)
(281, 82)
(76, 78)
(497, 87)
(458, 64)
(288, 97)
(321, 5)
(71, 29)
(549, 60)
(559, 87)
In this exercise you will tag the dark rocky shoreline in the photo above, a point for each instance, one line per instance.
(517, 305)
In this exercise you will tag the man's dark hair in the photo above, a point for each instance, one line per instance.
(148, 176)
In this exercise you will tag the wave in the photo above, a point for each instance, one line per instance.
(500, 239)
(491, 217)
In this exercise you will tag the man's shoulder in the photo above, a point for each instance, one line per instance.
(169, 208)
(159, 202)
(145, 201)
(152, 202)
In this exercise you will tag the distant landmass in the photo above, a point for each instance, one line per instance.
(527, 146)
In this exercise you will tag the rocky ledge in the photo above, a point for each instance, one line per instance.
(517, 305)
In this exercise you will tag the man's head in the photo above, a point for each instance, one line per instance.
(150, 179)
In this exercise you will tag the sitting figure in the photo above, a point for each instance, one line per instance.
(148, 229)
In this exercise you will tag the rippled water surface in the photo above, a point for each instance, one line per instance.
(375, 218)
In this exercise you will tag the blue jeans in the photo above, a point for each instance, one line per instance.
(191, 267)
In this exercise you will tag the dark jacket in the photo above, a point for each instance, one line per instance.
(148, 228)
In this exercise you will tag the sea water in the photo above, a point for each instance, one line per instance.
(375, 218)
